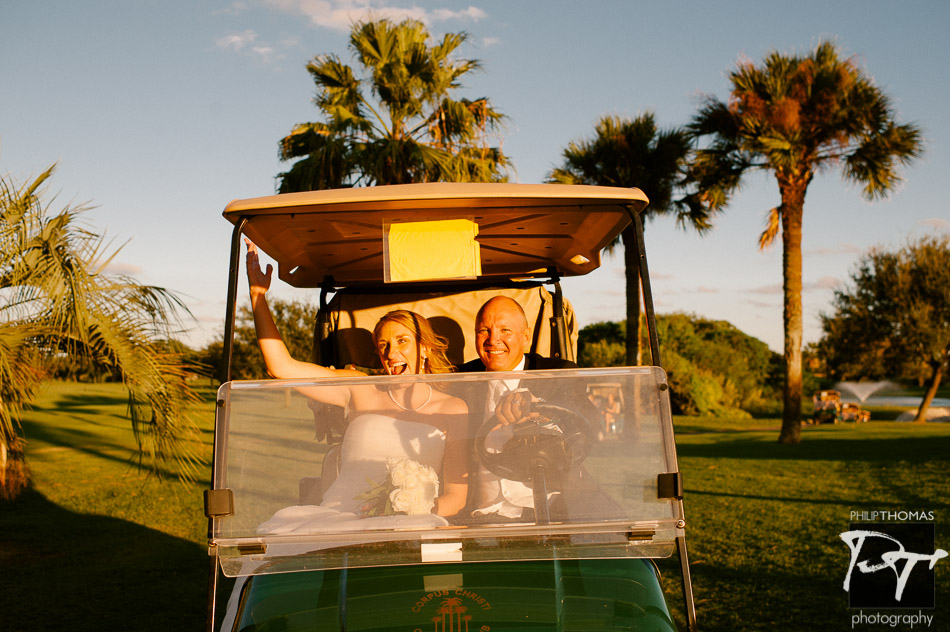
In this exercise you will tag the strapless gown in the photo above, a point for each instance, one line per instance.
(370, 439)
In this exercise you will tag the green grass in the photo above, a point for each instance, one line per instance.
(96, 545)
(764, 519)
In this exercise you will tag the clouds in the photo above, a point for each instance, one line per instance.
(236, 42)
(246, 43)
(823, 283)
(471, 13)
(337, 15)
(234, 9)
(936, 223)
(772, 288)
(341, 14)
(840, 249)
(119, 268)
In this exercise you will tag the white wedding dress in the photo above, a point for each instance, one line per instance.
(369, 441)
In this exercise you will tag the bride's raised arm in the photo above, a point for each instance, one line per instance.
(277, 358)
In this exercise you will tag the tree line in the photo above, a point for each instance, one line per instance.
(892, 320)
(713, 368)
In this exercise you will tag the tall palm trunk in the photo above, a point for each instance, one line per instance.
(935, 378)
(631, 265)
(793, 202)
(14, 473)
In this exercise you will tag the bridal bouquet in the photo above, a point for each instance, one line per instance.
(410, 488)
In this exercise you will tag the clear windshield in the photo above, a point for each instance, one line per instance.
(524, 465)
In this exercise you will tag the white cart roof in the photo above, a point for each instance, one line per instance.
(522, 229)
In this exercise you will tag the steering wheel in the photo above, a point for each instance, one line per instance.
(548, 444)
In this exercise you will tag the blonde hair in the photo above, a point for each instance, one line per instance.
(436, 345)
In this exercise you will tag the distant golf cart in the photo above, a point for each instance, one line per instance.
(601, 512)
(853, 413)
(608, 399)
(827, 407)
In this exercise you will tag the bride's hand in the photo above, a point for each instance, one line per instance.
(257, 279)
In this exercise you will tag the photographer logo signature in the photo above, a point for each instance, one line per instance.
(894, 568)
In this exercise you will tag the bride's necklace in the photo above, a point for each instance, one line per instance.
(417, 408)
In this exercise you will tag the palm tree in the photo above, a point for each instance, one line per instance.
(411, 130)
(450, 606)
(794, 116)
(633, 153)
(459, 611)
(55, 299)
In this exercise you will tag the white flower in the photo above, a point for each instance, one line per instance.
(415, 486)
(399, 471)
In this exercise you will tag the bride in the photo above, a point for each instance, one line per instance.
(414, 421)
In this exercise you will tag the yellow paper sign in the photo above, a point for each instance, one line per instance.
(437, 249)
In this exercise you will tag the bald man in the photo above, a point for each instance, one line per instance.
(503, 340)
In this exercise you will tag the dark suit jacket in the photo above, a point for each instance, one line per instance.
(532, 362)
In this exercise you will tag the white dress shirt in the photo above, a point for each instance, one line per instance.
(510, 497)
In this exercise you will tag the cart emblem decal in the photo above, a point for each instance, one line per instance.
(452, 610)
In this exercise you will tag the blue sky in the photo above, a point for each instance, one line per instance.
(159, 112)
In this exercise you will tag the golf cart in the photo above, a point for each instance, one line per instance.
(608, 400)
(827, 407)
(851, 412)
(579, 557)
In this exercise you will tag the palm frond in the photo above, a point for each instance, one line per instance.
(388, 124)
(55, 297)
(799, 115)
(773, 224)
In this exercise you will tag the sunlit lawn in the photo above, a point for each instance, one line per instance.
(98, 546)
(764, 519)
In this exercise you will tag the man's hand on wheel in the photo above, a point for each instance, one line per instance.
(515, 407)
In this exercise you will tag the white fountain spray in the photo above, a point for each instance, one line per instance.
(862, 390)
